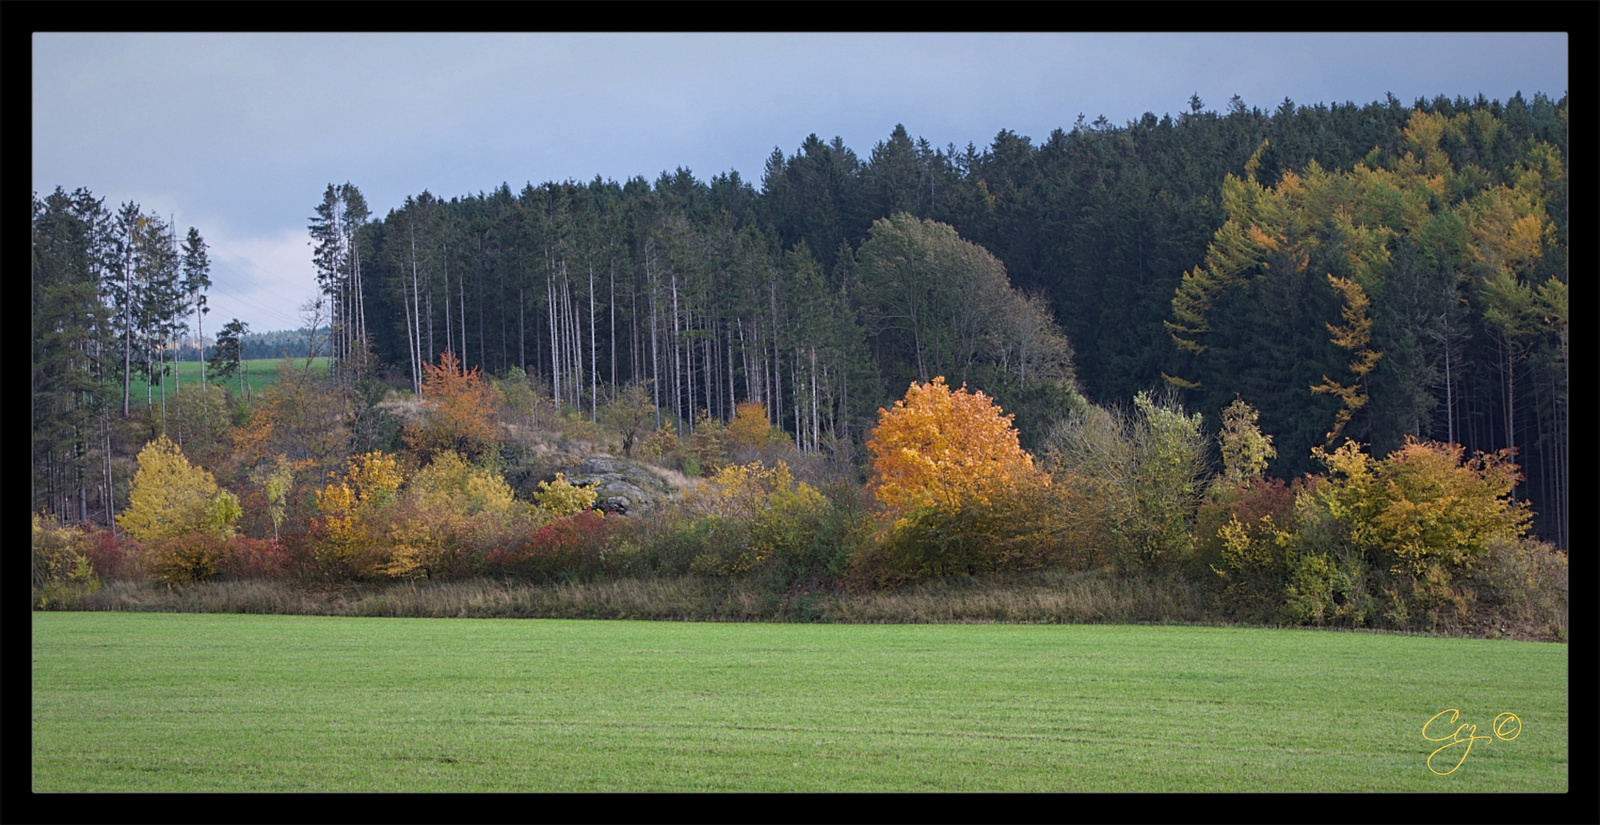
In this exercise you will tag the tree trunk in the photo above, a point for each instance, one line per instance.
(555, 360)
(594, 370)
(416, 317)
(677, 382)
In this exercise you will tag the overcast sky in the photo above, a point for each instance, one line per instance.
(239, 134)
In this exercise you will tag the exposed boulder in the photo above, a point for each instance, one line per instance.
(622, 487)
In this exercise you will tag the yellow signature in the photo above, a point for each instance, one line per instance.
(1506, 728)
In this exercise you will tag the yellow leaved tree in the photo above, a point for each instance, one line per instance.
(351, 541)
(179, 513)
(171, 497)
(945, 448)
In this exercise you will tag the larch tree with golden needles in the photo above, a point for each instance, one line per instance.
(1355, 336)
(945, 448)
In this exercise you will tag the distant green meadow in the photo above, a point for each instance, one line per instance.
(258, 373)
(202, 702)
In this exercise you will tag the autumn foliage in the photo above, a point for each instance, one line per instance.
(749, 428)
(171, 497)
(1426, 502)
(573, 545)
(945, 448)
(351, 537)
(1386, 540)
(460, 412)
(961, 494)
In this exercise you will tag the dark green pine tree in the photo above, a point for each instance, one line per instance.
(71, 339)
(226, 355)
(892, 180)
(196, 280)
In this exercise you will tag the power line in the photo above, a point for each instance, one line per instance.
(290, 322)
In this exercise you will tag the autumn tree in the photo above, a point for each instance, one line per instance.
(177, 510)
(302, 415)
(1425, 503)
(963, 495)
(944, 447)
(170, 497)
(1380, 539)
(749, 428)
(1354, 335)
(1245, 449)
(460, 411)
(349, 507)
(449, 512)
(275, 479)
(1253, 317)
(764, 516)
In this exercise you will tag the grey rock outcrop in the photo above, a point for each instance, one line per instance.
(623, 487)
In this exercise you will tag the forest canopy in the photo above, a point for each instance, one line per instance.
(1376, 272)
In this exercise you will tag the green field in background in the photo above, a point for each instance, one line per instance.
(258, 373)
(202, 702)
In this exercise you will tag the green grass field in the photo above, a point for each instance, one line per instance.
(258, 373)
(197, 702)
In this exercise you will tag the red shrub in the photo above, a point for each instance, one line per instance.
(111, 556)
(1248, 502)
(299, 553)
(568, 546)
(248, 558)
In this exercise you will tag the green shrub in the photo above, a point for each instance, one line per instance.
(708, 446)
(1026, 527)
(1146, 467)
(1324, 590)
(934, 542)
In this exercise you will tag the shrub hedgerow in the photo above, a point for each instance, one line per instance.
(114, 557)
(569, 547)
(1026, 527)
(184, 559)
(61, 570)
(1526, 582)
(259, 559)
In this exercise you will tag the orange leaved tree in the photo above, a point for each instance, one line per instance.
(945, 448)
(961, 494)
(460, 415)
